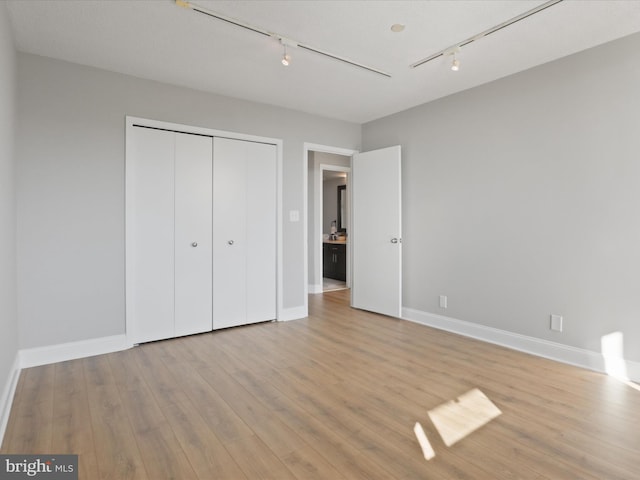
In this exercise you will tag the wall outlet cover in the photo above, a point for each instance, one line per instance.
(443, 301)
(556, 323)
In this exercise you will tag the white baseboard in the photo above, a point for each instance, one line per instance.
(315, 289)
(536, 346)
(33, 357)
(294, 313)
(8, 392)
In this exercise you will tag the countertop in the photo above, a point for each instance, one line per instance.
(340, 242)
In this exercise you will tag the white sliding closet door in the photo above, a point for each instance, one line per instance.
(169, 195)
(244, 232)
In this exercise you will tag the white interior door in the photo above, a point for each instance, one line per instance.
(244, 232)
(193, 224)
(376, 231)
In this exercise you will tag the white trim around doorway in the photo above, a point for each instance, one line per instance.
(313, 287)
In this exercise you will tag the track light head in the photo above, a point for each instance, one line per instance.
(286, 58)
(452, 52)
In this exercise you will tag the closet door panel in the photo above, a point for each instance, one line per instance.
(150, 212)
(261, 232)
(193, 210)
(229, 232)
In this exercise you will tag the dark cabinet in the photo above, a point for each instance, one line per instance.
(335, 261)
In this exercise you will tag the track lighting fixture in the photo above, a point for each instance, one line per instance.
(479, 36)
(452, 52)
(286, 58)
(286, 42)
(455, 65)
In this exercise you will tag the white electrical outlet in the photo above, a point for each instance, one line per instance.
(556, 323)
(443, 301)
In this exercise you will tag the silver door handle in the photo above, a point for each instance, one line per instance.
(194, 244)
(230, 242)
(394, 240)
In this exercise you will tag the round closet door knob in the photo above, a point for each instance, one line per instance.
(194, 244)
(230, 242)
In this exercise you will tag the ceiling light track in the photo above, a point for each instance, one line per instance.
(500, 26)
(282, 39)
(345, 60)
(229, 20)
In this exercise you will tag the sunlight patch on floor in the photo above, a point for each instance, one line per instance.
(613, 354)
(427, 449)
(614, 363)
(633, 385)
(457, 418)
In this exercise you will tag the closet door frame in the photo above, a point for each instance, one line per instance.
(130, 123)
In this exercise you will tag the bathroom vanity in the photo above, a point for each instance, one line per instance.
(334, 264)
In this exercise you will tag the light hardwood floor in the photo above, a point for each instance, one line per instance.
(331, 284)
(332, 396)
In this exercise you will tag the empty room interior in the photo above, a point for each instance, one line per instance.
(320, 239)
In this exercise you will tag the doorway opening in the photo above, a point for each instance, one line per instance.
(327, 169)
(374, 248)
(334, 220)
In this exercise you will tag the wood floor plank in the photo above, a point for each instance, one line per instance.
(334, 395)
(72, 432)
(206, 453)
(32, 429)
(32, 426)
(17, 396)
(292, 450)
(257, 460)
(214, 410)
(117, 451)
(161, 452)
(332, 445)
(342, 454)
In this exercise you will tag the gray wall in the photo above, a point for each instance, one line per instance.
(8, 308)
(521, 199)
(70, 187)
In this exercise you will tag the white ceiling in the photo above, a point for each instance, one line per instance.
(156, 39)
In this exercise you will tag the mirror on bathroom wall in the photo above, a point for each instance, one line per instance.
(342, 208)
